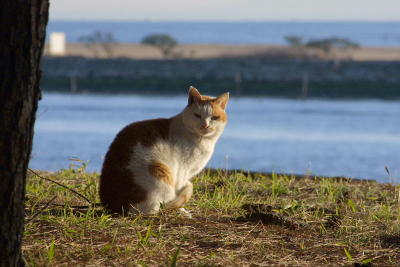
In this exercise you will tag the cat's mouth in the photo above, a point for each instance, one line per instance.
(207, 131)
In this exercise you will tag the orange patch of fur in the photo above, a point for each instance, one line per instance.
(162, 173)
(218, 111)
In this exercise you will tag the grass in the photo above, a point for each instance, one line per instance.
(238, 219)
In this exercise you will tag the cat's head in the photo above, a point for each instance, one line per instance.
(205, 115)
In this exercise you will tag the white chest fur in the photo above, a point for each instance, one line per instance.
(183, 152)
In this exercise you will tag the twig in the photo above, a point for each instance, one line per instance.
(41, 211)
(72, 207)
(252, 229)
(47, 179)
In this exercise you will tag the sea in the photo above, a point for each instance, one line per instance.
(350, 138)
(257, 32)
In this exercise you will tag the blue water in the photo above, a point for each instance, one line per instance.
(364, 33)
(354, 138)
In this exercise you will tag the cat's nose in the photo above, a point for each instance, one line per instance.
(205, 126)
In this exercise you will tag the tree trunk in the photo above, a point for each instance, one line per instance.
(22, 35)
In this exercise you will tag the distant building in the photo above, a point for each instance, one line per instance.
(57, 44)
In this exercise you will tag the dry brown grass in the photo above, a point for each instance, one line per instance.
(238, 219)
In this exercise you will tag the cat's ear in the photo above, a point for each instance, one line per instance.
(222, 100)
(194, 96)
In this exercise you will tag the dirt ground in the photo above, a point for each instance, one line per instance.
(197, 51)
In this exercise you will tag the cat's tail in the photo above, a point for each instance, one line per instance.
(183, 197)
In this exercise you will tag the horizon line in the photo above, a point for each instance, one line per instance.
(223, 21)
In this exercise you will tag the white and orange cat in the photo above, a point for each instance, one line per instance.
(151, 162)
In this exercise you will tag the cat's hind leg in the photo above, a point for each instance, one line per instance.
(182, 198)
(164, 194)
(159, 183)
(160, 193)
(163, 174)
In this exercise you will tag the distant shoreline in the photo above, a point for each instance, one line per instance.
(204, 51)
(259, 75)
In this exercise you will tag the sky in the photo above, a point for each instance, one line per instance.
(226, 10)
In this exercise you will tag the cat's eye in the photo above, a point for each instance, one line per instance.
(197, 115)
(215, 118)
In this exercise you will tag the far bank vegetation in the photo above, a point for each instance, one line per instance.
(336, 48)
(164, 42)
(100, 41)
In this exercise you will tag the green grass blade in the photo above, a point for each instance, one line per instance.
(348, 254)
(51, 251)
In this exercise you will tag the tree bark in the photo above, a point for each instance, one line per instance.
(22, 35)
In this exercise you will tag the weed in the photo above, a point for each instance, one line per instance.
(144, 241)
(174, 259)
(51, 251)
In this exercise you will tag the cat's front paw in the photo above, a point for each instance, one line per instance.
(185, 213)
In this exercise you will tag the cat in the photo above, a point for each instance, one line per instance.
(151, 162)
